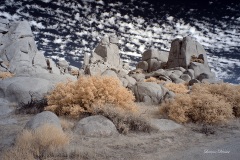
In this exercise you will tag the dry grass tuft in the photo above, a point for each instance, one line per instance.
(207, 103)
(153, 79)
(66, 124)
(177, 88)
(4, 75)
(37, 144)
(76, 98)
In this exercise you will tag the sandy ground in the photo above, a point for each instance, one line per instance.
(190, 142)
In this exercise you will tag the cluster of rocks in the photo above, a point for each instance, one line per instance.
(33, 75)
(93, 126)
(185, 63)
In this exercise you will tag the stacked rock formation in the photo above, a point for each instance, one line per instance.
(32, 75)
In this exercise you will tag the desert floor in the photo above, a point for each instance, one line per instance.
(192, 141)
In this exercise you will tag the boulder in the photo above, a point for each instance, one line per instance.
(190, 72)
(110, 73)
(143, 65)
(193, 81)
(95, 126)
(176, 78)
(149, 92)
(164, 78)
(45, 117)
(23, 89)
(178, 73)
(124, 81)
(139, 77)
(96, 68)
(153, 65)
(155, 54)
(183, 51)
(131, 81)
(200, 68)
(185, 77)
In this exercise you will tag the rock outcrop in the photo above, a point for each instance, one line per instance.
(153, 60)
(105, 56)
(24, 69)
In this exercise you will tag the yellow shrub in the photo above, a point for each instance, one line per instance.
(37, 144)
(228, 92)
(177, 88)
(207, 103)
(74, 98)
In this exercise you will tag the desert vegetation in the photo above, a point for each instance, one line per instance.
(98, 96)
(4, 75)
(37, 144)
(76, 98)
(206, 103)
(177, 88)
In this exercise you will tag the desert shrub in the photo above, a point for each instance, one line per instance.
(75, 98)
(34, 106)
(153, 79)
(203, 105)
(123, 120)
(177, 88)
(228, 92)
(37, 144)
(4, 75)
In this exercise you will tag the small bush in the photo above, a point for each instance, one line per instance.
(34, 106)
(177, 88)
(153, 79)
(123, 120)
(76, 98)
(207, 104)
(37, 144)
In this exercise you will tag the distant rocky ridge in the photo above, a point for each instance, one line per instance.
(33, 75)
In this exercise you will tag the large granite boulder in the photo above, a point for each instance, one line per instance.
(95, 126)
(201, 71)
(183, 52)
(149, 92)
(45, 117)
(23, 89)
(189, 54)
